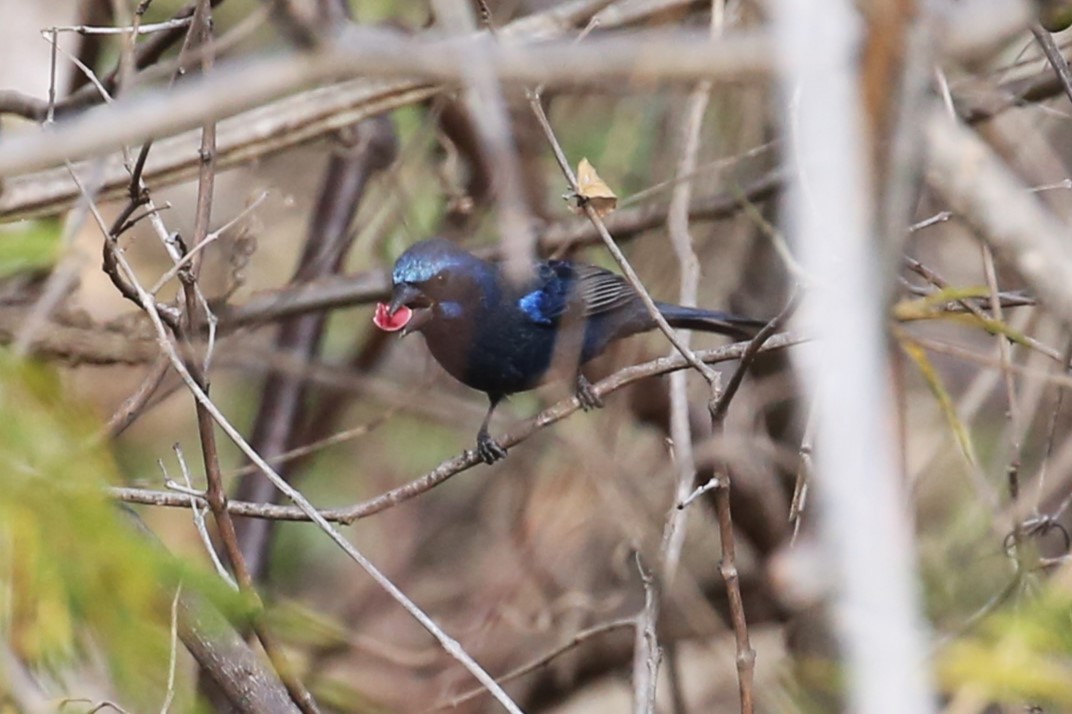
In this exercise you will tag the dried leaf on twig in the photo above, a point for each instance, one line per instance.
(591, 191)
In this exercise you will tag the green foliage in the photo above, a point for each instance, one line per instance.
(945, 401)
(296, 624)
(1055, 15)
(75, 578)
(1018, 655)
(30, 245)
(932, 307)
(343, 696)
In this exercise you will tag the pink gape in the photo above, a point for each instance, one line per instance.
(391, 323)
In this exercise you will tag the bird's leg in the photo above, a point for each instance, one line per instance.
(487, 448)
(586, 394)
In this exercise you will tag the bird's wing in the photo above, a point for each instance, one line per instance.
(577, 288)
(601, 290)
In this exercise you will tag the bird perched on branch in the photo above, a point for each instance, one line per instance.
(501, 338)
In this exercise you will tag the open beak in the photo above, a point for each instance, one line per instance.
(408, 311)
(403, 295)
(421, 317)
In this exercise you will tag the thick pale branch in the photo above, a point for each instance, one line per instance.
(242, 138)
(1012, 220)
(641, 58)
(269, 126)
(831, 221)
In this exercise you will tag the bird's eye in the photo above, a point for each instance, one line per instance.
(441, 278)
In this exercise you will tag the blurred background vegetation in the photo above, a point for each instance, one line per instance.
(515, 559)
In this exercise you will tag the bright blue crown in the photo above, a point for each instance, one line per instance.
(423, 261)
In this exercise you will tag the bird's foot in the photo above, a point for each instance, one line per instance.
(586, 394)
(488, 449)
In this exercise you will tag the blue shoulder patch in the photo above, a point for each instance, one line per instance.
(534, 306)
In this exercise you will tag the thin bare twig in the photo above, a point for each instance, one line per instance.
(131, 407)
(468, 459)
(689, 267)
(647, 655)
(804, 474)
(707, 486)
(630, 274)
(198, 510)
(452, 647)
(284, 404)
(680, 429)
(65, 274)
(541, 661)
(746, 655)
(172, 24)
(996, 203)
(196, 311)
(940, 217)
(1012, 470)
(169, 695)
(722, 481)
(209, 239)
(1056, 58)
(313, 447)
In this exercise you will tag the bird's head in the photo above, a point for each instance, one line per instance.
(427, 274)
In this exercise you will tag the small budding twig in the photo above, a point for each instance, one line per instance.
(199, 246)
(746, 655)
(198, 509)
(647, 655)
(710, 484)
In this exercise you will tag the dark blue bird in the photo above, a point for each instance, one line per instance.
(502, 338)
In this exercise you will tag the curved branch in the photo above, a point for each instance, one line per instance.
(467, 459)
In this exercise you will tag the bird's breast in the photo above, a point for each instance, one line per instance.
(498, 353)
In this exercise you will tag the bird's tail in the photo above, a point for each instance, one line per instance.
(693, 318)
